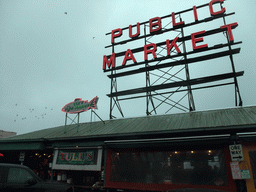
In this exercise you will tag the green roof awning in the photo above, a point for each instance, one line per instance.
(22, 146)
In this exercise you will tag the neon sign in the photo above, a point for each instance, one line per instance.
(79, 105)
(155, 27)
(166, 54)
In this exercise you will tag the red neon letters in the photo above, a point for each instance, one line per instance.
(155, 26)
(173, 44)
(174, 24)
(108, 62)
(195, 13)
(229, 27)
(115, 34)
(152, 24)
(156, 22)
(128, 55)
(138, 31)
(211, 7)
(194, 40)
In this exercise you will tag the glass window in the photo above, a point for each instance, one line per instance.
(175, 167)
(18, 175)
(252, 155)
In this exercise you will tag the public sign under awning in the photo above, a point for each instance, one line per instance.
(76, 158)
(88, 159)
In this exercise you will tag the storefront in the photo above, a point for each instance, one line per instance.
(170, 166)
(153, 153)
(81, 165)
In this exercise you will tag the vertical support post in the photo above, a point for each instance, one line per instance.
(190, 95)
(114, 102)
(65, 131)
(73, 121)
(238, 99)
(51, 175)
(148, 93)
(105, 162)
(78, 115)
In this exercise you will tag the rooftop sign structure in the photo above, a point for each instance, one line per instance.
(167, 59)
(79, 105)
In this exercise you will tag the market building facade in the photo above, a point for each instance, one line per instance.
(152, 153)
(211, 150)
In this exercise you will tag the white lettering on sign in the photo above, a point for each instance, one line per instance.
(236, 152)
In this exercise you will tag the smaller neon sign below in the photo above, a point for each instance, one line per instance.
(79, 105)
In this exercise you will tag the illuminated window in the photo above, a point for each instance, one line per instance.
(175, 167)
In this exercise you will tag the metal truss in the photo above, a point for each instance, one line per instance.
(164, 76)
(167, 78)
(74, 120)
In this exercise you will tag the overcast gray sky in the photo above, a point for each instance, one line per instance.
(51, 53)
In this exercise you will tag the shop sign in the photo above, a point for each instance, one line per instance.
(79, 105)
(240, 170)
(236, 152)
(155, 26)
(76, 158)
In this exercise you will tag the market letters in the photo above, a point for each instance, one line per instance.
(155, 27)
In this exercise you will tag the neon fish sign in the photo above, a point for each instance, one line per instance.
(79, 105)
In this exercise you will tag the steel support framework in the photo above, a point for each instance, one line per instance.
(160, 90)
(77, 115)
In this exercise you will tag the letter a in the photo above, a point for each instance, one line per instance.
(128, 55)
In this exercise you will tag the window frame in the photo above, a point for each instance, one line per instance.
(231, 186)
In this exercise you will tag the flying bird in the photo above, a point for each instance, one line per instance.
(66, 13)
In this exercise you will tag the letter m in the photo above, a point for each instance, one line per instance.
(108, 62)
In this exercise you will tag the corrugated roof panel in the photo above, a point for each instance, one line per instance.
(173, 122)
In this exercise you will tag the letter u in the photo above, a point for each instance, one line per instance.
(138, 31)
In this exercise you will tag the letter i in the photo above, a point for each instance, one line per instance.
(195, 13)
